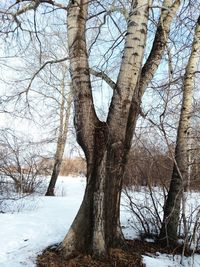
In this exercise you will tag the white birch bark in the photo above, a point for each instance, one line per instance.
(130, 69)
(85, 116)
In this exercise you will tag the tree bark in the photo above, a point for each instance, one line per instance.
(168, 233)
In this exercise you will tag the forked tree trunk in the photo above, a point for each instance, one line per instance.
(62, 137)
(96, 227)
(150, 67)
(168, 233)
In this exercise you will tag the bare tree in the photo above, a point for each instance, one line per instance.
(168, 233)
(20, 163)
(106, 145)
(65, 109)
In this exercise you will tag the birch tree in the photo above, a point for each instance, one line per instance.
(168, 233)
(65, 108)
(106, 144)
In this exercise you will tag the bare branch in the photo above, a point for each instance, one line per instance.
(159, 44)
(104, 77)
(43, 66)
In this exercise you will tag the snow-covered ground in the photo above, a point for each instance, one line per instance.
(33, 223)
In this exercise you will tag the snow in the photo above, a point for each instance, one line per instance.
(164, 260)
(38, 223)
(33, 223)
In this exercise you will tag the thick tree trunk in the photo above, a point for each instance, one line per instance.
(96, 226)
(168, 233)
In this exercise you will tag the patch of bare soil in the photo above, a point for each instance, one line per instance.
(117, 258)
(131, 257)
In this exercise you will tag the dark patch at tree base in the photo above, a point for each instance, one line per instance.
(117, 257)
(131, 257)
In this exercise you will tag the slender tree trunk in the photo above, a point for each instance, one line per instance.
(168, 233)
(96, 227)
(62, 137)
(152, 63)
